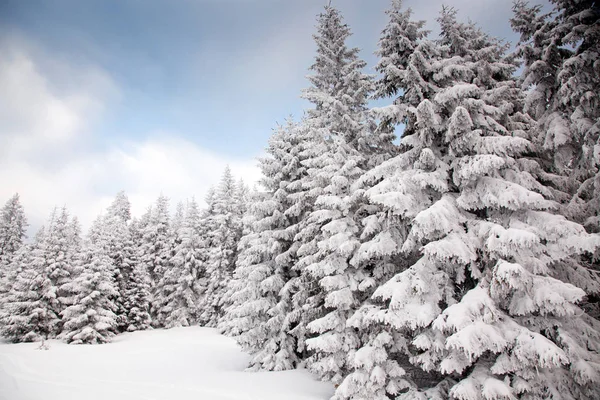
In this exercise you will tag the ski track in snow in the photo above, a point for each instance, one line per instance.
(175, 364)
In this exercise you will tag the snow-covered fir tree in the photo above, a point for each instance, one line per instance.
(177, 221)
(260, 317)
(28, 311)
(91, 318)
(223, 229)
(477, 304)
(155, 251)
(165, 286)
(74, 235)
(182, 286)
(75, 245)
(331, 232)
(13, 224)
(54, 259)
(137, 290)
(120, 207)
(155, 248)
(119, 247)
(406, 57)
(561, 54)
(297, 196)
(561, 80)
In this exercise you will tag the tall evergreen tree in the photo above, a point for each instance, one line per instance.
(406, 65)
(224, 223)
(12, 232)
(331, 232)
(28, 314)
(91, 318)
(260, 317)
(155, 247)
(54, 261)
(120, 207)
(13, 225)
(118, 242)
(473, 302)
(182, 286)
(560, 76)
(137, 290)
(561, 54)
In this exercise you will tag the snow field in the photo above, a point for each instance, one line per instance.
(175, 364)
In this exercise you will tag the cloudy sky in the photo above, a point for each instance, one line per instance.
(155, 96)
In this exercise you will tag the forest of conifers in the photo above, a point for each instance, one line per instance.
(457, 261)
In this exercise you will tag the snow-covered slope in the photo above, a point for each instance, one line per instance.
(176, 364)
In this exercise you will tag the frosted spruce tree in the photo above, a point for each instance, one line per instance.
(477, 303)
(137, 290)
(13, 224)
(74, 235)
(75, 245)
(54, 260)
(91, 319)
(28, 311)
(18, 262)
(155, 248)
(406, 63)
(165, 286)
(260, 317)
(119, 247)
(404, 55)
(155, 251)
(224, 228)
(120, 207)
(182, 286)
(347, 147)
(561, 54)
(177, 222)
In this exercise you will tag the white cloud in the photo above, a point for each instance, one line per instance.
(167, 164)
(46, 151)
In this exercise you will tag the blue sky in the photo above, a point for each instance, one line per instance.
(150, 96)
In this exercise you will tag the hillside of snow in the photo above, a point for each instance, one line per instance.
(175, 364)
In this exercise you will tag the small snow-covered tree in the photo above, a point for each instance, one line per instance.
(119, 247)
(224, 223)
(28, 314)
(155, 247)
(137, 289)
(18, 261)
(72, 257)
(13, 224)
(91, 318)
(177, 221)
(12, 232)
(53, 260)
(120, 207)
(74, 235)
(183, 284)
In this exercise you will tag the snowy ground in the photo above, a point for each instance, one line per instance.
(176, 364)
